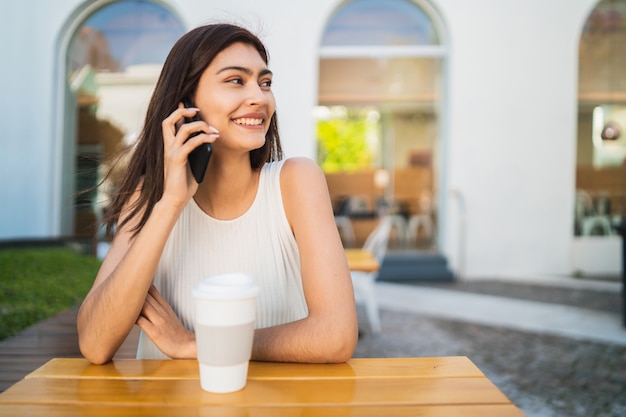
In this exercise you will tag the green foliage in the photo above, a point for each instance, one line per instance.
(342, 142)
(38, 283)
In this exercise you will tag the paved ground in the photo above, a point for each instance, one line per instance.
(544, 370)
(544, 374)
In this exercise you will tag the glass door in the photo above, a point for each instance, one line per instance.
(378, 119)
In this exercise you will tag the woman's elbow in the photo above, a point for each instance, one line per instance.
(93, 353)
(97, 360)
(93, 349)
(342, 347)
(90, 342)
(341, 355)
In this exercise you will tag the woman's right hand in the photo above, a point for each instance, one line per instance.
(179, 186)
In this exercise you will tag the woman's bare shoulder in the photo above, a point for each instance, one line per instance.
(304, 188)
(297, 169)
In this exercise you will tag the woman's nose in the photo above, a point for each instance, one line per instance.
(257, 95)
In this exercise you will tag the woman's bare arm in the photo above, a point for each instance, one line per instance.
(330, 332)
(119, 294)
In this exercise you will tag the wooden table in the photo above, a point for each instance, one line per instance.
(431, 387)
(361, 260)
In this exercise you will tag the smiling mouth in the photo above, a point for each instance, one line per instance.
(248, 122)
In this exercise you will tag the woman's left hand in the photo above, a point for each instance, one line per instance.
(160, 323)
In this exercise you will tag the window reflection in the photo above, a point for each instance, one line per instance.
(123, 34)
(113, 62)
(380, 22)
(601, 152)
(378, 120)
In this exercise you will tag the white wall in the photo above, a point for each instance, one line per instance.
(27, 160)
(511, 132)
(510, 117)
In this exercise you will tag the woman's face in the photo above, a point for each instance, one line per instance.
(234, 95)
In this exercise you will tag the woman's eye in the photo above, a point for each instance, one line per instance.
(266, 84)
(236, 81)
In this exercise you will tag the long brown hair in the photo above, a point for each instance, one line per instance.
(179, 78)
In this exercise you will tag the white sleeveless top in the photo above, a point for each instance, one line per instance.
(260, 243)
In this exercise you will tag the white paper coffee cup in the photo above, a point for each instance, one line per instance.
(225, 319)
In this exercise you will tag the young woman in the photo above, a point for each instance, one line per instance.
(253, 213)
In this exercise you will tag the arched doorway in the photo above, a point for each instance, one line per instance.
(379, 117)
(601, 144)
(112, 59)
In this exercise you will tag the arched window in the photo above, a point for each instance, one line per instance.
(378, 116)
(601, 150)
(124, 34)
(113, 61)
(380, 23)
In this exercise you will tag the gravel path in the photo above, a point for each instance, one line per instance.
(544, 375)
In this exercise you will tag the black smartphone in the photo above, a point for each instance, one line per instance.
(199, 157)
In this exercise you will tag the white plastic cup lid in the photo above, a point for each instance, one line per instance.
(227, 286)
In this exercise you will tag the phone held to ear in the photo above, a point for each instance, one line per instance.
(199, 157)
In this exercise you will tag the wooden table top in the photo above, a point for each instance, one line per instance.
(431, 387)
(361, 260)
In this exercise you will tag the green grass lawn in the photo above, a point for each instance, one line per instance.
(40, 282)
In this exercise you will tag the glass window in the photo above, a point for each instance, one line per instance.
(123, 34)
(378, 118)
(601, 146)
(412, 80)
(114, 59)
(380, 22)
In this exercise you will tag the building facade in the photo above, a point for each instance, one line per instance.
(507, 120)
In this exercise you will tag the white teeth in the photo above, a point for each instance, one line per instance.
(249, 122)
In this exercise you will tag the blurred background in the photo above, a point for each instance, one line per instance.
(490, 131)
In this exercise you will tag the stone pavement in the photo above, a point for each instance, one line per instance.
(555, 350)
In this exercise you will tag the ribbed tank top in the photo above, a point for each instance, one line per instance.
(259, 242)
